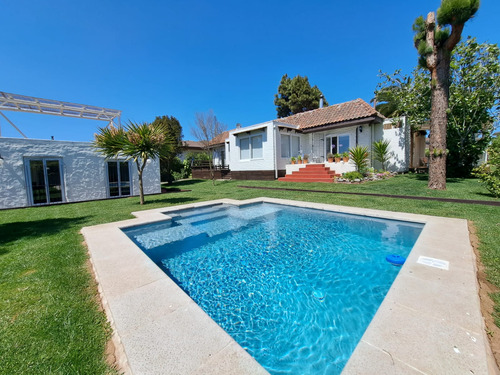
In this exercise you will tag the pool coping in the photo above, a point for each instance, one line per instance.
(420, 327)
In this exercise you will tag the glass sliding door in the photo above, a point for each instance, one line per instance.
(337, 144)
(54, 185)
(124, 178)
(45, 181)
(118, 178)
(38, 188)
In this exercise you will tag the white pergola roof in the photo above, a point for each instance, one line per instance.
(30, 104)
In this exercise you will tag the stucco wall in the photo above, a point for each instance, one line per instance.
(399, 138)
(84, 172)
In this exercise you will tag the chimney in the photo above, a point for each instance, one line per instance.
(321, 101)
(238, 125)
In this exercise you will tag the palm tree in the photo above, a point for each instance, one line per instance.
(359, 156)
(137, 142)
(381, 152)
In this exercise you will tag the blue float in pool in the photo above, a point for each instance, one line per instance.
(396, 260)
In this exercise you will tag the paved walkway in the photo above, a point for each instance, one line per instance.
(451, 200)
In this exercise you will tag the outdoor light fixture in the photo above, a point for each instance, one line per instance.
(361, 128)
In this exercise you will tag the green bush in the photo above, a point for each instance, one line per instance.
(489, 172)
(352, 176)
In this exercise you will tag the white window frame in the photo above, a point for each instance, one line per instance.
(290, 145)
(29, 187)
(250, 146)
(330, 136)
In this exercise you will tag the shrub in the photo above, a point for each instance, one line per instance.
(359, 156)
(489, 172)
(352, 176)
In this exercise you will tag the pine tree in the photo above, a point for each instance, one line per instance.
(296, 95)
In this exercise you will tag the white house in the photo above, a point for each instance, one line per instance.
(39, 172)
(264, 151)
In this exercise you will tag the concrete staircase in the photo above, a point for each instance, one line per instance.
(311, 173)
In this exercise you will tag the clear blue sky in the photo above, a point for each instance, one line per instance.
(152, 58)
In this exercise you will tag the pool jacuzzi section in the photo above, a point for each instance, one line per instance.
(295, 287)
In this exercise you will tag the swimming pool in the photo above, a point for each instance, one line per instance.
(295, 287)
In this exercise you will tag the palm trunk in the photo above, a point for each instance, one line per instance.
(439, 120)
(140, 169)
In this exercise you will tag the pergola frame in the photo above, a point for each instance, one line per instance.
(30, 104)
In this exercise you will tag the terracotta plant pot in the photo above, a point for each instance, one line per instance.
(293, 161)
(337, 160)
(330, 160)
(306, 161)
(300, 162)
(346, 160)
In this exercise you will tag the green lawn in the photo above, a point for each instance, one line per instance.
(49, 317)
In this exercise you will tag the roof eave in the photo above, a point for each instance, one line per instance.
(344, 124)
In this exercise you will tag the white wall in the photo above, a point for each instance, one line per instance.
(84, 171)
(399, 138)
(265, 163)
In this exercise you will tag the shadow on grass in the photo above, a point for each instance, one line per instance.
(449, 180)
(168, 199)
(186, 182)
(35, 229)
(489, 195)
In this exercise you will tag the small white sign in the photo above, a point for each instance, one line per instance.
(433, 262)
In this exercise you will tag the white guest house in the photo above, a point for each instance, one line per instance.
(39, 172)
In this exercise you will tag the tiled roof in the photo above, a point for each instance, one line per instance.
(337, 113)
(220, 138)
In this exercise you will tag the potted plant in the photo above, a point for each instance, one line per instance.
(337, 158)
(293, 159)
(306, 159)
(330, 157)
(345, 156)
(299, 159)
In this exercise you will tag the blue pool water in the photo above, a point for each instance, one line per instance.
(295, 287)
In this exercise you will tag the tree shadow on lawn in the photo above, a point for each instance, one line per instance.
(168, 200)
(449, 180)
(186, 182)
(35, 229)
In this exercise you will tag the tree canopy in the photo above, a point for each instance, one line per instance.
(173, 131)
(296, 95)
(138, 142)
(474, 103)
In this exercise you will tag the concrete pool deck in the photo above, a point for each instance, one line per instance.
(429, 322)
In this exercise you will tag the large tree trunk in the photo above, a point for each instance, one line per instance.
(439, 120)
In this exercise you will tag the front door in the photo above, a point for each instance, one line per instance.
(45, 182)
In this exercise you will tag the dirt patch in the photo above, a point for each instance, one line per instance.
(487, 304)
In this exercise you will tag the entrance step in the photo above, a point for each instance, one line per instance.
(311, 173)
